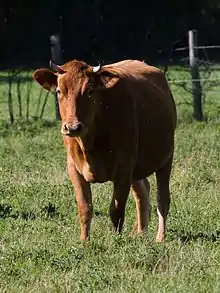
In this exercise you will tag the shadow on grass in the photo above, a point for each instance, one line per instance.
(99, 214)
(31, 127)
(47, 212)
(189, 237)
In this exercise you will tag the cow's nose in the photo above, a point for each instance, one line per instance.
(72, 130)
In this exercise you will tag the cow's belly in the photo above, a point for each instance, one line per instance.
(155, 141)
(153, 155)
(147, 166)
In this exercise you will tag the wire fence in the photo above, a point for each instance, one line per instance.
(22, 99)
(198, 78)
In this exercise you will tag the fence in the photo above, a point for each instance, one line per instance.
(21, 99)
(193, 82)
(202, 78)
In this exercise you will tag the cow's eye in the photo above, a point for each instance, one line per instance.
(58, 91)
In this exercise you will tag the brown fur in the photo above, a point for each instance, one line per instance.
(129, 118)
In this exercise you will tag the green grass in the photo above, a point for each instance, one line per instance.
(40, 249)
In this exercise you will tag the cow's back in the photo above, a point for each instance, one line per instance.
(155, 114)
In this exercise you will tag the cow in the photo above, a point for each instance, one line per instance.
(118, 125)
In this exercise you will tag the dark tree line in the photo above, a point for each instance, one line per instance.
(98, 30)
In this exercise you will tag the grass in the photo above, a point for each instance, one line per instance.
(40, 249)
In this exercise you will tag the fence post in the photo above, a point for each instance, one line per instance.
(10, 103)
(56, 54)
(196, 86)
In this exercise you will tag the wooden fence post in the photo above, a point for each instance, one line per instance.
(56, 53)
(194, 68)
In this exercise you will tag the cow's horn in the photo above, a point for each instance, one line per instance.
(96, 68)
(56, 68)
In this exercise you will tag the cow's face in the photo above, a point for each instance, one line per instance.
(76, 85)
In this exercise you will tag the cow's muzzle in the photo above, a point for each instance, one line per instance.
(72, 130)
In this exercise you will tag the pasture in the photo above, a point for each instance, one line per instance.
(40, 249)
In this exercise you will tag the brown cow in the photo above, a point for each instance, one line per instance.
(118, 124)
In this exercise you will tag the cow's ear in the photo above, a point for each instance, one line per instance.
(102, 78)
(46, 78)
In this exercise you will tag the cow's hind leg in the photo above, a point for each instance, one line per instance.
(163, 197)
(141, 190)
(118, 203)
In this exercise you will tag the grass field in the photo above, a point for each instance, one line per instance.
(40, 249)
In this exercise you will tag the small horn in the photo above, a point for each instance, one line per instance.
(96, 68)
(56, 68)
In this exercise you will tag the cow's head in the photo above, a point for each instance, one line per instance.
(77, 86)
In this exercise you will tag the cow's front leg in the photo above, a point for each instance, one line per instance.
(118, 203)
(83, 197)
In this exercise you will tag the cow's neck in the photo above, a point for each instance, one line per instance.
(89, 151)
(88, 142)
(89, 156)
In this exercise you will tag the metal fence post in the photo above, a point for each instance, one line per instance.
(56, 53)
(196, 86)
